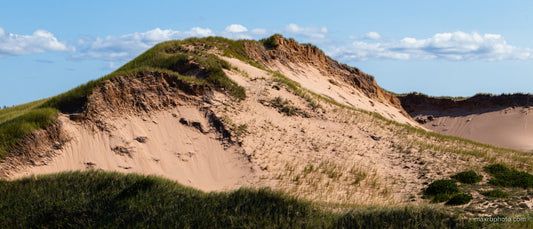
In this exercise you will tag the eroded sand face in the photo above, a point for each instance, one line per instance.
(153, 145)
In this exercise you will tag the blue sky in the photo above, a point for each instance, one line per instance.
(455, 48)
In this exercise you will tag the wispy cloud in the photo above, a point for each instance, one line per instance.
(372, 35)
(40, 41)
(120, 48)
(449, 46)
(314, 33)
(125, 47)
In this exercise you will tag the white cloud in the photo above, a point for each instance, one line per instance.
(451, 46)
(372, 35)
(310, 32)
(235, 28)
(113, 48)
(40, 41)
(259, 32)
(236, 31)
(125, 47)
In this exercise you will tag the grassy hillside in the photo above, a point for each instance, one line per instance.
(169, 57)
(103, 199)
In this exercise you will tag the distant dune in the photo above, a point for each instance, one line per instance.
(504, 120)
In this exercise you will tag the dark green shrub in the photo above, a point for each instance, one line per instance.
(439, 198)
(467, 177)
(495, 193)
(459, 199)
(441, 187)
(270, 42)
(506, 177)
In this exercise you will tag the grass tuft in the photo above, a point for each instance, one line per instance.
(506, 177)
(495, 193)
(467, 177)
(442, 187)
(459, 199)
(12, 132)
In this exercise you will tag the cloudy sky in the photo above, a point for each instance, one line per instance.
(456, 48)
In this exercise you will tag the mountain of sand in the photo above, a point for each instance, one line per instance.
(217, 115)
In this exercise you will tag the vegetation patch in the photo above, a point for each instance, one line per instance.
(298, 90)
(406, 217)
(97, 199)
(441, 187)
(13, 131)
(467, 177)
(270, 42)
(285, 107)
(506, 177)
(440, 190)
(459, 199)
(495, 193)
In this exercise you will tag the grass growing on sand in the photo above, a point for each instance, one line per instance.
(105, 199)
(17, 122)
(169, 57)
(506, 177)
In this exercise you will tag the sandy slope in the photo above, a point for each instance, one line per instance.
(335, 155)
(157, 144)
(311, 78)
(508, 127)
(330, 154)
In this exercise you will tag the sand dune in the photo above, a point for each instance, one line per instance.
(508, 127)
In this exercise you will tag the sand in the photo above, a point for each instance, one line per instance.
(164, 147)
(508, 127)
(331, 154)
(311, 78)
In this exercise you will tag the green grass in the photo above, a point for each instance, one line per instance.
(507, 177)
(107, 199)
(459, 199)
(403, 217)
(441, 190)
(19, 121)
(467, 177)
(270, 42)
(13, 131)
(495, 193)
(442, 187)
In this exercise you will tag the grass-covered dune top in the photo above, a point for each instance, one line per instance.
(102, 199)
(187, 59)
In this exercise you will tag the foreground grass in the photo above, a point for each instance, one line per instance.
(104, 199)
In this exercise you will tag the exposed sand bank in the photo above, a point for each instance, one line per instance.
(156, 145)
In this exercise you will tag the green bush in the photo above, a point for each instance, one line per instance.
(495, 193)
(467, 177)
(441, 187)
(506, 177)
(270, 42)
(439, 198)
(459, 199)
